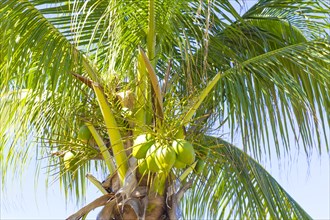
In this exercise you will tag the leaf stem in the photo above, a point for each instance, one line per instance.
(187, 171)
(151, 38)
(113, 132)
(104, 150)
(141, 92)
(96, 183)
(154, 83)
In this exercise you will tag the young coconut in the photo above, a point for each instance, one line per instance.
(165, 158)
(178, 164)
(84, 134)
(68, 160)
(150, 158)
(141, 145)
(184, 150)
(142, 166)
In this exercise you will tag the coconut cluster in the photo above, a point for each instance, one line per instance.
(156, 155)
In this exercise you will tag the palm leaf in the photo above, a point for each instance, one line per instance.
(270, 65)
(36, 57)
(233, 185)
(287, 90)
(307, 16)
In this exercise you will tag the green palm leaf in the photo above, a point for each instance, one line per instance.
(270, 65)
(289, 79)
(233, 185)
(36, 57)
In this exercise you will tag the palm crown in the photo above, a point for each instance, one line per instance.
(174, 70)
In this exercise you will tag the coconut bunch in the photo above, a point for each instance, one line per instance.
(156, 155)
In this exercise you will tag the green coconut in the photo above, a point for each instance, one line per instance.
(184, 150)
(165, 157)
(178, 164)
(84, 133)
(143, 167)
(141, 145)
(68, 157)
(150, 158)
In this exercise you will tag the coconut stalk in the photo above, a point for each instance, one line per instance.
(113, 132)
(151, 37)
(155, 85)
(96, 183)
(142, 93)
(200, 99)
(89, 69)
(180, 133)
(187, 171)
(104, 150)
(190, 114)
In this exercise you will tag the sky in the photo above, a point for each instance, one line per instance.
(308, 182)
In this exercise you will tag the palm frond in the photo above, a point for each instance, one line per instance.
(37, 59)
(233, 185)
(275, 64)
(307, 16)
(285, 97)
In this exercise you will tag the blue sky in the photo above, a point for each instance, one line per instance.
(307, 182)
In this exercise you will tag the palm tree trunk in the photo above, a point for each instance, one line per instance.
(141, 203)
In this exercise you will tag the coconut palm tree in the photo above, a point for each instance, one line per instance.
(141, 90)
